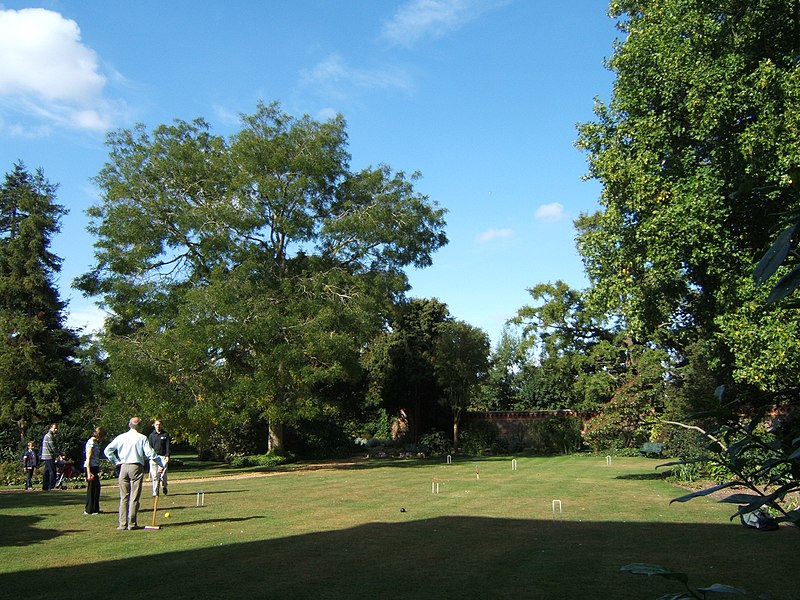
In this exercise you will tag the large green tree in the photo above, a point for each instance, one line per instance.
(583, 361)
(576, 358)
(461, 362)
(37, 354)
(698, 155)
(426, 367)
(244, 275)
(399, 365)
(500, 389)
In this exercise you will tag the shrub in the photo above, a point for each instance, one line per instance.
(623, 422)
(319, 439)
(681, 443)
(481, 436)
(436, 443)
(378, 425)
(11, 473)
(688, 473)
(260, 460)
(555, 435)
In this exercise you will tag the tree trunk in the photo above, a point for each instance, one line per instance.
(456, 420)
(275, 441)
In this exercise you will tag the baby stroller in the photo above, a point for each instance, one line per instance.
(65, 472)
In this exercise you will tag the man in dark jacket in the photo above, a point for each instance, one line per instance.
(48, 456)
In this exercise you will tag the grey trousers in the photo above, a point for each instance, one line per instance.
(131, 476)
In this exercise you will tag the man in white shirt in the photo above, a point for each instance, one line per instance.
(130, 451)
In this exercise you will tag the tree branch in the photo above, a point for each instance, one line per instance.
(704, 432)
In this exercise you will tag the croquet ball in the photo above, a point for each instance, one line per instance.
(166, 515)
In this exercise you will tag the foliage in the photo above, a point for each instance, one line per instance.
(38, 372)
(659, 571)
(682, 443)
(696, 152)
(764, 338)
(692, 377)
(764, 460)
(401, 364)
(320, 438)
(499, 390)
(437, 443)
(577, 357)
(588, 365)
(555, 435)
(698, 156)
(239, 434)
(460, 362)
(245, 276)
(688, 473)
(479, 437)
(260, 460)
(375, 423)
(11, 473)
(625, 422)
(782, 252)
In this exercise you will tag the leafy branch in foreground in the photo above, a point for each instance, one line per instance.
(762, 452)
(659, 571)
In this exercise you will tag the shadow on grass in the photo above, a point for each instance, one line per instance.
(54, 498)
(209, 521)
(446, 557)
(22, 531)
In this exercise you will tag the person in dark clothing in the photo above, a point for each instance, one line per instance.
(48, 456)
(28, 465)
(159, 440)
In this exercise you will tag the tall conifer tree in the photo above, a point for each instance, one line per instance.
(36, 366)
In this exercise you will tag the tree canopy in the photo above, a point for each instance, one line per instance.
(245, 275)
(698, 155)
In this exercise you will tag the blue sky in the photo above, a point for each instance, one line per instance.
(480, 96)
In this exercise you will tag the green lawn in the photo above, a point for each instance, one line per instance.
(340, 532)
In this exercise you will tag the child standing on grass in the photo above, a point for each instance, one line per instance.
(28, 465)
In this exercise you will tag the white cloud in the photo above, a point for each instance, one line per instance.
(493, 234)
(335, 77)
(418, 19)
(550, 212)
(227, 116)
(327, 114)
(47, 73)
(87, 318)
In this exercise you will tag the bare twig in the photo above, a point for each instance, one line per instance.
(701, 430)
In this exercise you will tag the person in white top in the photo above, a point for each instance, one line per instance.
(130, 451)
(91, 467)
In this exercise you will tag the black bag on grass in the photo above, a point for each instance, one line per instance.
(759, 519)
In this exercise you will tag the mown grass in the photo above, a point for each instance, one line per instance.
(375, 529)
